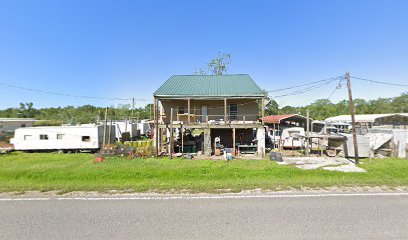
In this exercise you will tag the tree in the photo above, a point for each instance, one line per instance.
(271, 107)
(200, 71)
(27, 110)
(217, 66)
(400, 103)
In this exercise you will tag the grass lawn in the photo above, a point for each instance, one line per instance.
(78, 172)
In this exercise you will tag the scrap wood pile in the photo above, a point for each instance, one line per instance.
(6, 147)
(125, 151)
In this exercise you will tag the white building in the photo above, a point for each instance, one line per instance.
(8, 125)
(389, 120)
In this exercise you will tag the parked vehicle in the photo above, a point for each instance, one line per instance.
(62, 138)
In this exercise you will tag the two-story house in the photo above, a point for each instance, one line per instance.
(227, 107)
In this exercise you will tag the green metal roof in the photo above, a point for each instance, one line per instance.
(237, 85)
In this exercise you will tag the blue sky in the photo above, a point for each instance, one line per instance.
(128, 48)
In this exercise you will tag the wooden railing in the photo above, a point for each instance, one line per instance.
(195, 119)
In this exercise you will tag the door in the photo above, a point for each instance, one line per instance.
(204, 112)
(233, 111)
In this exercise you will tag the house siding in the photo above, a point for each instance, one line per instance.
(247, 107)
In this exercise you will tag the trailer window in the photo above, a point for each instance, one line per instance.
(86, 138)
(60, 136)
(43, 137)
(28, 137)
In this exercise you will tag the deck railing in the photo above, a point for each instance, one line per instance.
(196, 119)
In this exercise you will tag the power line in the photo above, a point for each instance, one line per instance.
(338, 86)
(304, 90)
(379, 82)
(306, 84)
(70, 95)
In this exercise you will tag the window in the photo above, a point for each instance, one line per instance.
(233, 111)
(86, 138)
(28, 137)
(60, 136)
(43, 137)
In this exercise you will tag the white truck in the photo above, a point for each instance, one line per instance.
(62, 138)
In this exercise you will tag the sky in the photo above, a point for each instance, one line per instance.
(125, 49)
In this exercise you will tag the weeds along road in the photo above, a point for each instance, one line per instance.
(209, 217)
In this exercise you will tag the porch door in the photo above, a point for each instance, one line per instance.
(204, 112)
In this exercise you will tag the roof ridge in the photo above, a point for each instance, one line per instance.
(210, 74)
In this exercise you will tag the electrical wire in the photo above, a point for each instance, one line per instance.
(303, 90)
(306, 84)
(335, 89)
(71, 95)
(380, 82)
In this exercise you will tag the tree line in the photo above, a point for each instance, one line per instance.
(319, 110)
(324, 108)
(77, 115)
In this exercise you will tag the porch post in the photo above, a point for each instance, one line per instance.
(233, 141)
(188, 110)
(263, 107)
(182, 139)
(156, 126)
(225, 110)
(171, 134)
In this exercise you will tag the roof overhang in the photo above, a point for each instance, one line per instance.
(277, 119)
(18, 120)
(208, 97)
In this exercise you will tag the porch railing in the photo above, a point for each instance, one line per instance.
(196, 119)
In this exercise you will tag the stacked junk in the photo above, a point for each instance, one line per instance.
(334, 139)
(377, 142)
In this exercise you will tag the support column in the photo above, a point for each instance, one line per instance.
(260, 136)
(233, 140)
(263, 107)
(225, 110)
(171, 134)
(156, 126)
(188, 110)
(182, 139)
(207, 142)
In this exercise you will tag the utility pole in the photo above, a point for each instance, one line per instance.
(133, 106)
(353, 120)
(110, 132)
(307, 132)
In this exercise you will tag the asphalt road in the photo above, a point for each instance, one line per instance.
(314, 217)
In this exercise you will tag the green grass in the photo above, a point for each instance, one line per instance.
(78, 172)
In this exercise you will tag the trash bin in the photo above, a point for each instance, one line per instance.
(275, 156)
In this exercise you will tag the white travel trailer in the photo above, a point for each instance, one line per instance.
(63, 138)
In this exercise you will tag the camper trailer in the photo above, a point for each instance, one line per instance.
(62, 138)
(144, 127)
(125, 130)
